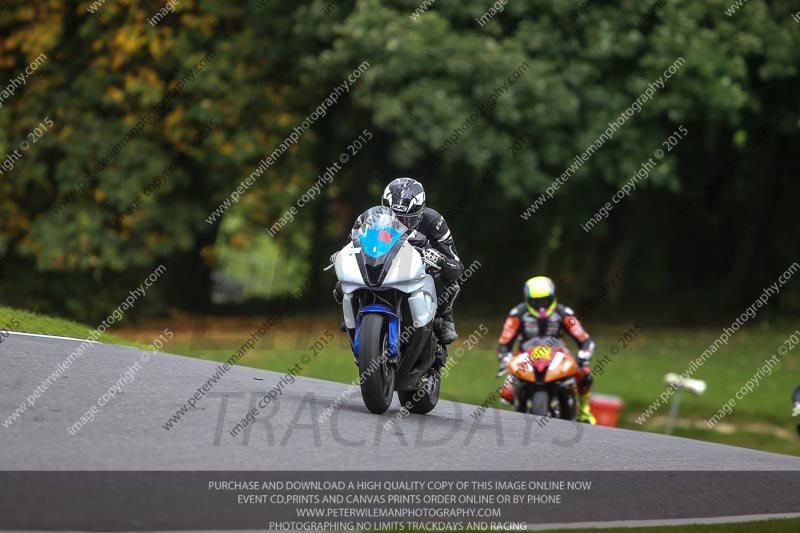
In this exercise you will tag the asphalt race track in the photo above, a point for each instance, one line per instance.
(128, 434)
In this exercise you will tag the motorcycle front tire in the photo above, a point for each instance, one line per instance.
(377, 375)
(540, 404)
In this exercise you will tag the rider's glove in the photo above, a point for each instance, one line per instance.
(334, 256)
(503, 358)
(434, 256)
(584, 356)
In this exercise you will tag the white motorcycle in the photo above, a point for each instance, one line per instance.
(389, 306)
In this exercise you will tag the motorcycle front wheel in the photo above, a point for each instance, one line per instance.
(521, 397)
(375, 371)
(566, 404)
(540, 404)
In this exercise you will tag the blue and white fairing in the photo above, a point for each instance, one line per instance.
(381, 258)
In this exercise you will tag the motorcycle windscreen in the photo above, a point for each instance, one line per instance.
(380, 237)
(379, 234)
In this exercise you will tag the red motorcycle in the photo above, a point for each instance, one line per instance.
(544, 382)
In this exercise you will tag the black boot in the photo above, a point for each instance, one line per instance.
(445, 328)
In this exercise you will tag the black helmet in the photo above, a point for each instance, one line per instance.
(406, 197)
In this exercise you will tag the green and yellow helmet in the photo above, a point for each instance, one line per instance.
(540, 296)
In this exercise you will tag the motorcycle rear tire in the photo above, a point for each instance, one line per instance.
(424, 399)
(377, 375)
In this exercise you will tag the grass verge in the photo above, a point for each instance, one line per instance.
(30, 322)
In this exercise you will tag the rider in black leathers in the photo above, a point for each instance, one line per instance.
(406, 198)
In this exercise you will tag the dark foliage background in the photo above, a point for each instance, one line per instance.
(714, 223)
